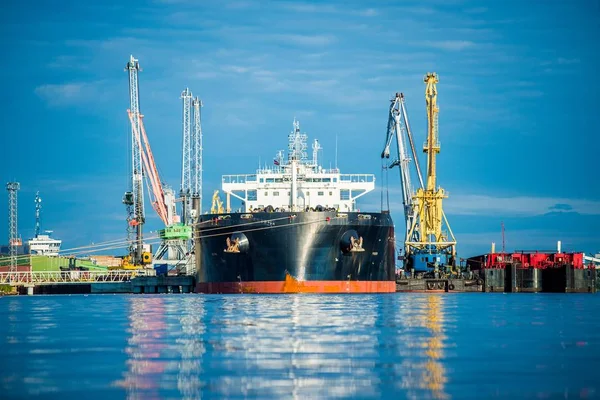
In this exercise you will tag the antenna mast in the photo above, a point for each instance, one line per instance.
(38, 208)
(336, 148)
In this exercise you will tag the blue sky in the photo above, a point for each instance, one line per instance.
(517, 97)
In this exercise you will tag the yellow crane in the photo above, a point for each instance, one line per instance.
(217, 204)
(434, 240)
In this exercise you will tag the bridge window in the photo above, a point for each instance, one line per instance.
(270, 180)
(262, 180)
(326, 179)
(344, 194)
(252, 195)
(335, 179)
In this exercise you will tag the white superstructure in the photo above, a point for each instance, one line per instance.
(43, 244)
(298, 184)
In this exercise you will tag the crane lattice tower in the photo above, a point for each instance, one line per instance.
(186, 168)
(134, 199)
(429, 200)
(13, 240)
(197, 158)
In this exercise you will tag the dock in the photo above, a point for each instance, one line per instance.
(94, 282)
(510, 278)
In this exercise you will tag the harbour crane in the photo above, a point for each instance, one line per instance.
(398, 126)
(186, 157)
(191, 161)
(217, 204)
(162, 198)
(197, 160)
(429, 243)
(172, 249)
(134, 198)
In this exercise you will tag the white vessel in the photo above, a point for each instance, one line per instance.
(42, 244)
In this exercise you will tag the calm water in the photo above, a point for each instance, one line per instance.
(300, 346)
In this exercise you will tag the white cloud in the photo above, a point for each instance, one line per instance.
(501, 206)
(310, 8)
(450, 45)
(236, 68)
(327, 9)
(567, 61)
(369, 12)
(304, 40)
(476, 10)
(72, 93)
(61, 94)
(474, 204)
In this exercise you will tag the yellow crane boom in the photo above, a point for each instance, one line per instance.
(428, 200)
(217, 204)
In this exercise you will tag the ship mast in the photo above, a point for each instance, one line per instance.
(296, 157)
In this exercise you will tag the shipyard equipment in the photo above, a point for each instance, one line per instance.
(217, 204)
(14, 241)
(429, 244)
(162, 198)
(191, 162)
(186, 170)
(134, 198)
(196, 163)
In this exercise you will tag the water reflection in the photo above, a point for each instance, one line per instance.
(164, 347)
(423, 374)
(267, 346)
(305, 346)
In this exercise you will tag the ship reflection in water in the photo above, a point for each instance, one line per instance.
(398, 346)
(295, 346)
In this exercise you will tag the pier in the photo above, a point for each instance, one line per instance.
(76, 282)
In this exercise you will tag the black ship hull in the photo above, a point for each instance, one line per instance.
(301, 252)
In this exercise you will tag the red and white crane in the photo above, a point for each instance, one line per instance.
(144, 167)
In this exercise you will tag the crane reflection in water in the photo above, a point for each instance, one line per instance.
(423, 374)
(164, 348)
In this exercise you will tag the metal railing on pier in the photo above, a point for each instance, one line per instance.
(51, 277)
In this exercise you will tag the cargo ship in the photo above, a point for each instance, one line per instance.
(298, 230)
